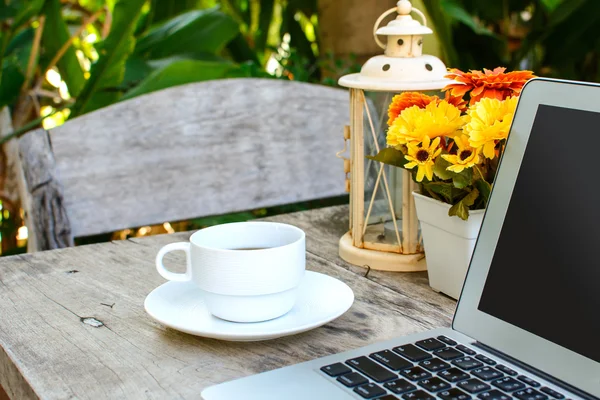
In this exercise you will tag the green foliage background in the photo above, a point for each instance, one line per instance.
(63, 58)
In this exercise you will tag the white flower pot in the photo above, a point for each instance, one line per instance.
(449, 243)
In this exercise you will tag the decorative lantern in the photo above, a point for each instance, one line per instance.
(384, 231)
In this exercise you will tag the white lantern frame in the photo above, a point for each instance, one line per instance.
(401, 68)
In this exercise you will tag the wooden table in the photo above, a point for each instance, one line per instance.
(72, 322)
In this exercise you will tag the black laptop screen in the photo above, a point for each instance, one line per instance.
(545, 273)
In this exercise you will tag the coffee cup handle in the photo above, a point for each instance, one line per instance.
(173, 276)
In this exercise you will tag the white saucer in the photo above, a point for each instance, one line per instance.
(179, 305)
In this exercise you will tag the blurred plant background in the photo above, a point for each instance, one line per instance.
(63, 58)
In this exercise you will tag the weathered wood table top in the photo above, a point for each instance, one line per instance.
(51, 348)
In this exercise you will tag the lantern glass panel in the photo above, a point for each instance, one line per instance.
(390, 217)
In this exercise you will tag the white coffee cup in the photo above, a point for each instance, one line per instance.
(248, 271)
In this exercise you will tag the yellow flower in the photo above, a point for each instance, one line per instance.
(490, 122)
(414, 123)
(423, 156)
(465, 157)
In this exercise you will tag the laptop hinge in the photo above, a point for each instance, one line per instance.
(535, 371)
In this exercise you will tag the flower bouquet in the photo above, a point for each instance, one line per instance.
(452, 146)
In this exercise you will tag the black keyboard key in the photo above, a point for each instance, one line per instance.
(508, 384)
(552, 393)
(473, 385)
(388, 397)
(453, 394)
(529, 394)
(506, 370)
(487, 373)
(528, 381)
(434, 365)
(494, 395)
(371, 369)
(352, 379)
(336, 369)
(453, 375)
(448, 353)
(412, 352)
(485, 359)
(434, 384)
(369, 390)
(391, 360)
(430, 344)
(418, 395)
(447, 340)
(467, 363)
(415, 373)
(399, 386)
(466, 350)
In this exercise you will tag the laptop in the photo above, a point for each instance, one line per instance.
(527, 325)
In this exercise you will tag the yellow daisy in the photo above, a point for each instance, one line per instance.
(423, 156)
(490, 122)
(465, 157)
(435, 120)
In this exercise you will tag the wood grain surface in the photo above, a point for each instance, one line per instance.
(73, 323)
(43, 198)
(196, 150)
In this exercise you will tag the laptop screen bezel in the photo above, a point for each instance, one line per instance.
(548, 357)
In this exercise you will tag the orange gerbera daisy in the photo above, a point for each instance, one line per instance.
(457, 101)
(405, 100)
(495, 84)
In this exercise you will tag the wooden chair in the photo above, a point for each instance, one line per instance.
(195, 150)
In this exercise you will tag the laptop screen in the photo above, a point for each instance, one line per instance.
(545, 273)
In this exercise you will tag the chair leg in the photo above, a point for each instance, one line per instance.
(3, 395)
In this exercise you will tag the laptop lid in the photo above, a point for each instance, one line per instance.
(533, 286)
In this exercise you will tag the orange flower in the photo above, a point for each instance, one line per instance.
(494, 84)
(405, 100)
(457, 101)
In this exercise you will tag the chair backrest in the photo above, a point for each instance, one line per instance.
(189, 151)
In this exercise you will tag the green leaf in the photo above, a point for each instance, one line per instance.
(458, 13)
(565, 10)
(136, 69)
(576, 31)
(14, 67)
(163, 62)
(26, 9)
(447, 190)
(108, 72)
(443, 27)
(7, 11)
(461, 209)
(23, 38)
(264, 23)
(55, 35)
(551, 4)
(182, 72)
(484, 189)
(463, 179)
(390, 156)
(440, 169)
(12, 80)
(198, 31)
(240, 50)
(162, 10)
(250, 69)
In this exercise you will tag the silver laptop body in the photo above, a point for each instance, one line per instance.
(527, 324)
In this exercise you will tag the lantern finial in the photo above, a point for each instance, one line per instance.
(404, 7)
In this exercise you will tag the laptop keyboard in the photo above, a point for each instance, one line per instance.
(435, 368)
